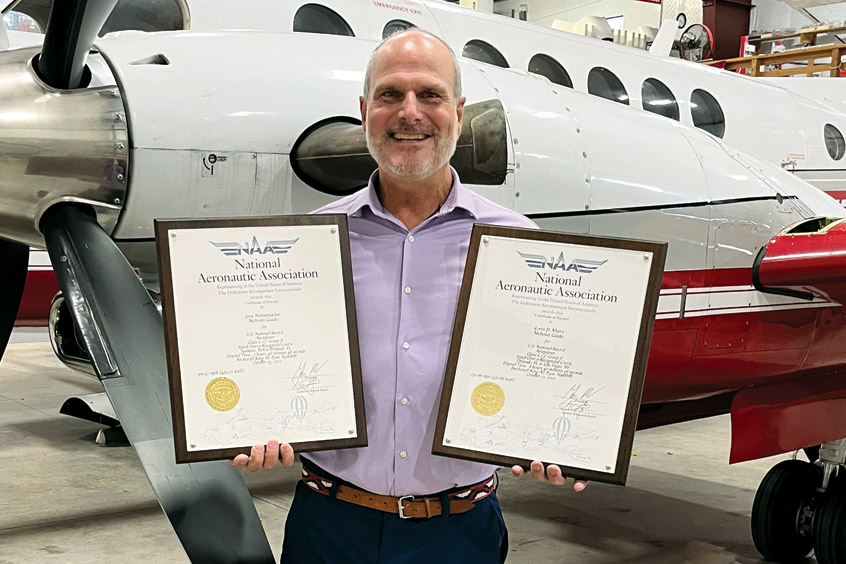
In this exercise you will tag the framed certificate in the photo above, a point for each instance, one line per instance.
(260, 330)
(549, 351)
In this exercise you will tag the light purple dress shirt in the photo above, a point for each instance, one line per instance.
(406, 293)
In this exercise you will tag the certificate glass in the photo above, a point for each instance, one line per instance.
(549, 351)
(260, 331)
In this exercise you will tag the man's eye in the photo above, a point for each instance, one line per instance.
(389, 94)
(431, 95)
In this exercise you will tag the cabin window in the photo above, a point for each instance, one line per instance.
(605, 84)
(17, 21)
(395, 26)
(314, 18)
(140, 15)
(834, 142)
(658, 99)
(484, 52)
(545, 65)
(706, 113)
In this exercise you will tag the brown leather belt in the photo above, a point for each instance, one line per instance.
(407, 506)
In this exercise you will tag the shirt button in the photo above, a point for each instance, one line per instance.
(405, 345)
(404, 401)
(403, 454)
(408, 289)
(411, 238)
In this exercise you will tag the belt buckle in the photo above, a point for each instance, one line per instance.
(402, 514)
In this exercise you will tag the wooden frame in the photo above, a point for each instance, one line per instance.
(486, 233)
(164, 230)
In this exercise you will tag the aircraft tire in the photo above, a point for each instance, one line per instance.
(785, 490)
(830, 527)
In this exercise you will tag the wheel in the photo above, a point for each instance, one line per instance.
(785, 490)
(830, 527)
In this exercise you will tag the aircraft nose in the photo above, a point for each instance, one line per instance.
(57, 146)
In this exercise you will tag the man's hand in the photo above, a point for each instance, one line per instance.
(552, 475)
(265, 457)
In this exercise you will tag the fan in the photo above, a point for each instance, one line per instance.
(696, 43)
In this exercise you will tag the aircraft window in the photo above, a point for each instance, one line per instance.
(605, 84)
(17, 21)
(314, 18)
(395, 26)
(706, 113)
(140, 15)
(545, 65)
(658, 99)
(484, 52)
(834, 142)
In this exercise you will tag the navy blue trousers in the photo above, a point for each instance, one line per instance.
(320, 530)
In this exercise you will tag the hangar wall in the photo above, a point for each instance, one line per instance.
(544, 12)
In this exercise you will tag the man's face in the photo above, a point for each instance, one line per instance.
(411, 118)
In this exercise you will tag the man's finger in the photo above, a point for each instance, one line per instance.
(286, 453)
(271, 454)
(256, 458)
(579, 485)
(537, 471)
(517, 471)
(240, 461)
(553, 473)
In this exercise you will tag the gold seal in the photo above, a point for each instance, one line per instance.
(487, 398)
(222, 394)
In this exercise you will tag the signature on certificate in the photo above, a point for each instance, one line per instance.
(577, 400)
(306, 378)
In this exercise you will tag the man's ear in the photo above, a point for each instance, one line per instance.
(459, 112)
(362, 106)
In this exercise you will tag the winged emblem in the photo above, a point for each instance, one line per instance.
(232, 248)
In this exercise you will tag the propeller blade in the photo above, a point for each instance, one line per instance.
(16, 259)
(207, 503)
(71, 30)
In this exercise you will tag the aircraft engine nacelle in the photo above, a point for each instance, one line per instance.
(805, 260)
(58, 146)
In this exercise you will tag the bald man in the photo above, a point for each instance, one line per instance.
(393, 501)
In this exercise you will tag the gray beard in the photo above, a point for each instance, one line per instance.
(416, 171)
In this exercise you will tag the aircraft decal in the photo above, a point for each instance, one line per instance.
(232, 248)
(582, 266)
(674, 303)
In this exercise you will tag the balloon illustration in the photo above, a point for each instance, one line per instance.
(300, 407)
(561, 427)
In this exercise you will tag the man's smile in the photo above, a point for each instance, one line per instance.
(399, 136)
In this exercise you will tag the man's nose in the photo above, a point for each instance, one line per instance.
(410, 109)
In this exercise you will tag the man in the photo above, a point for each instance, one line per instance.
(409, 235)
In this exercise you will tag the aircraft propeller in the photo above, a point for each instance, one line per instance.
(16, 258)
(207, 503)
(71, 30)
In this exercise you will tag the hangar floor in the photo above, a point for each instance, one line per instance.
(66, 499)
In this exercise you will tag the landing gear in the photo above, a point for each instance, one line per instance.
(801, 506)
(830, 527)
(787, 489)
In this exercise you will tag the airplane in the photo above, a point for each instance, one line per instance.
(751, 313)
(774, 121)
(782, 126)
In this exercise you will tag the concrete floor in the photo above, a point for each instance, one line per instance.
(66, 499)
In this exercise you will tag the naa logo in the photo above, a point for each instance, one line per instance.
(231, 248)
(582, 266)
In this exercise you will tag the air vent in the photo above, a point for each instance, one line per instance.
(157, 59)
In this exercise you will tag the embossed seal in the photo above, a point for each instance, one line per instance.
(222, 394)
(487, 398)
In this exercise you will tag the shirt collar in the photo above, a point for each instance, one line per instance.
(459, 197)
